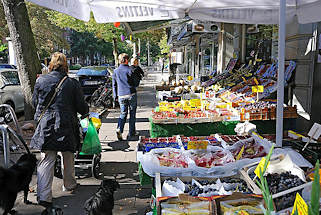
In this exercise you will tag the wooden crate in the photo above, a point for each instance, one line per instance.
(256, 189)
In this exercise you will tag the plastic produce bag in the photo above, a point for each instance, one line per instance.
(91, 143)
(166, 161)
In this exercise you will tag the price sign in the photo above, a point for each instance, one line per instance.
(258, 89)
(243, 212)
(239, 156)
(199, 144)
(190, 78)
(256, 81)
(243, 79)
(300, 205)
(260, 167)
(258, 135)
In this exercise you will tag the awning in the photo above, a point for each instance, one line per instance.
(246, 12)
(136, 27)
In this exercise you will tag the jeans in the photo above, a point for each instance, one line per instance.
(124, 104)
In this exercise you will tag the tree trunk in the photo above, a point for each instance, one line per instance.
(92, 60)
(115, 51)
(24, 47)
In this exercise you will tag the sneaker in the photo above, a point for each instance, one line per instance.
(132, 138)
(119, 135)
(45, 204)
(136, 133)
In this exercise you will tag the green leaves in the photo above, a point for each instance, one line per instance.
(264, 187)
(315, 193)
(3, 47)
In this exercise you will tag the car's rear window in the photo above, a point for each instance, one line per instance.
(10, 78)
(93, 71)
(6, 66)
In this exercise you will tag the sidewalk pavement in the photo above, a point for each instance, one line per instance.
(116, 162)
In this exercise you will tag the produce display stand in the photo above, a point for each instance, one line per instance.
(170, 128)
(161, 200)
(222, 102)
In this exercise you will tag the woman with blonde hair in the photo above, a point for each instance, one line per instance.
(57, 100)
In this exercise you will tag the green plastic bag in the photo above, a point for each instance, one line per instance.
(91, 143)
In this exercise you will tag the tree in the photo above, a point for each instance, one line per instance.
(24, 47)
(106, 31)
(164, 47)
(48, 36)
(3, 52)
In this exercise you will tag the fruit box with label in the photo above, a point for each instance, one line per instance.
(239, 203)
(204, 187)
(185, 204)
(284, 178)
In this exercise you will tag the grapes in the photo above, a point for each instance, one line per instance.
(210, 188)
(281, 182)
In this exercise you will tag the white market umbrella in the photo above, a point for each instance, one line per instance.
(231, 11)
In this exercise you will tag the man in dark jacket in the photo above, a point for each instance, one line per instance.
(58, 127)
(124, 87)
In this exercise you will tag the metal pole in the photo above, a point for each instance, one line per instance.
(280, 92)
(14, 117)
(134, 50)
(243, 43)
(5, 138)
(148, 54)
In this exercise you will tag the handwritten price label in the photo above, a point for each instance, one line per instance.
(190, 78)
(300, 205)
(243, 212)
(199, 144)
(258, 89)
(260, 167)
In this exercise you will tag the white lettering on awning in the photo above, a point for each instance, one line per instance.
(132, 11)
(63, 3)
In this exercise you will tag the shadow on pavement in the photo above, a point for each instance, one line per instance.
(119, 145)
(115, 120)
(123, 172)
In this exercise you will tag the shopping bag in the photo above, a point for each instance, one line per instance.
(91, 143)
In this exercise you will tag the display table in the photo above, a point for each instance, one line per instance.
(208, 128)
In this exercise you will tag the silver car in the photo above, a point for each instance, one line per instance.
(10, 89)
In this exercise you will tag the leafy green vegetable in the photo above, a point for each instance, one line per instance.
(267, 197)
(315, 193)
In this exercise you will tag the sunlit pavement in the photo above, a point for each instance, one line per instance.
(118, 161)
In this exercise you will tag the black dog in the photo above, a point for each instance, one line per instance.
(102, 202)
(15, 179)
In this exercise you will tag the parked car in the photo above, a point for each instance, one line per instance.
(10, 89)
(7, 66)
(91, 78)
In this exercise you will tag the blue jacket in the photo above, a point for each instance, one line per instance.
(123, 82)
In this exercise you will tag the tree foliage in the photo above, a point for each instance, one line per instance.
(164, 47)
(48, 36)
(105, 31)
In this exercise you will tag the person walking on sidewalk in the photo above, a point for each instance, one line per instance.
(57, 100)
(124, 87)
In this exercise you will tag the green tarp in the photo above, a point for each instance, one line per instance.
(205, 129)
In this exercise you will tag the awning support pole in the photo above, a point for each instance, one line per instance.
(280, 89)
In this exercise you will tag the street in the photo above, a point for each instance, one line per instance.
(118, 161)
